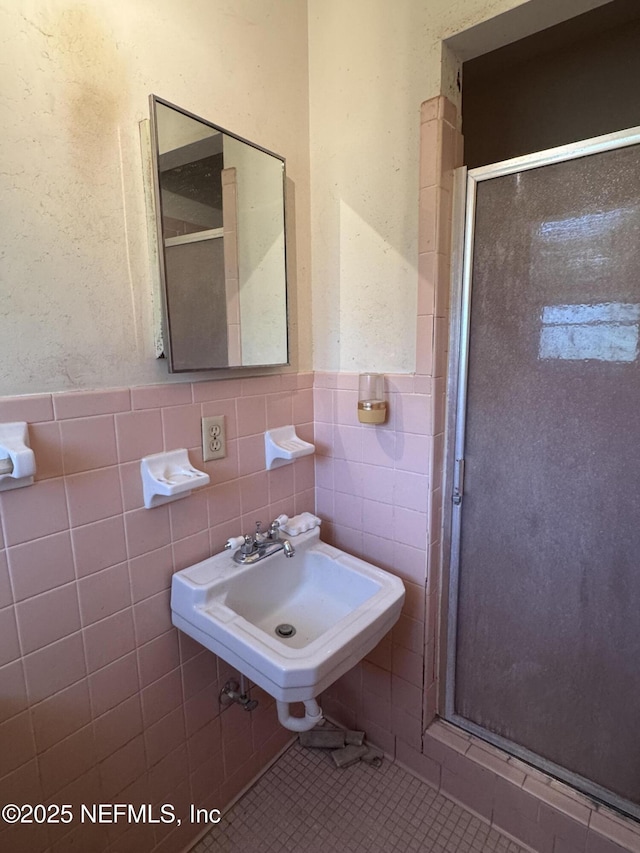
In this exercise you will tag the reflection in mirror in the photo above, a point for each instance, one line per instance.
(220, 205)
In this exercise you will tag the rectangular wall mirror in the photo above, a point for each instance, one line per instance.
(221, 231)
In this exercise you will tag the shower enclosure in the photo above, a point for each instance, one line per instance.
(544, 600)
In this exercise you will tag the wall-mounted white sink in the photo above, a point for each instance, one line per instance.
(339, 605)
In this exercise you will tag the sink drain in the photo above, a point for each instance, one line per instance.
(285, 630)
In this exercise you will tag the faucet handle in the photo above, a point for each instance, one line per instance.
(234, 542)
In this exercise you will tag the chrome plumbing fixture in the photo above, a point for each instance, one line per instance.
(262, 544)
(232, 693)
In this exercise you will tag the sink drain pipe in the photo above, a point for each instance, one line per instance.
(312, 716)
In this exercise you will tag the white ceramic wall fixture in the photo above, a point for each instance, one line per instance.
(339, 606)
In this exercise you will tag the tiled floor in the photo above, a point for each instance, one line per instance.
(304, 804)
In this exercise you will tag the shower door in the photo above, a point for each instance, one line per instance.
(544, 631)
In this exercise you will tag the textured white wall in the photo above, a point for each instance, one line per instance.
(372, 63)
(75, 305)
(75, 277)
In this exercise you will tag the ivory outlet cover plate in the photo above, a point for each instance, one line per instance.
(214, 438)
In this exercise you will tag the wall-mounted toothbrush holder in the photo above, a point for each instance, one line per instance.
(169, 476)
(17, 459)
(282, 446)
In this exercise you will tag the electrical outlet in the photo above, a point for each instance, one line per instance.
(214, 438)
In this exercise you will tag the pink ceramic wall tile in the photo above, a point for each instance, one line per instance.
(158, 396)
(414, 602)
(304, 474)
(253, 386)
(427, 283)
(190, 550)
(147, 530)
(120, 769)
(38, 407)
(222, 470)
(109, 639)
(279, 409)
(182, 426)
(46, 443)
(254, 492)
(377, 482)
(410, 527)
(34, 512)
(346, 407)
(381, 552)
(379, 446)
(99, 545)
(150, 573)
(303, 502)
(19, 785)
(414, 414)
(164, 736)
(67, 760)
(442, 288)
(325, 379)
(348, 510)
(227, 389)
(430, 140)
(323, 472)
(408, 665)
(83, 404)
(347, 443)
(6, 594)
(112, 684)
(427, 228)
(251, 413)
(104, 593)
(347, 477)
(58, 717)
(325, 504)
(303, 406)
(48, 617)
(226, 408)
(162, 697)
(189, 515)
(201, 709)
(251, 454)
(54, 667)
(377, 518)
(424, 344)
(131, 485)
(138, 434)
(158, 657)
(18, 747)
(410, 563)
(9, 642)
(347, 538)
(88, 443)
(93, 495)
(117, 727)
(13, 690)
(323, 405)
(281, 485)
(414, 454)
(406, 727)
(410, 490)
(152, 617)
(477, 797)
(408, 633)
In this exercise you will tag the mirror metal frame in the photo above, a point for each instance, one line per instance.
(157, 195)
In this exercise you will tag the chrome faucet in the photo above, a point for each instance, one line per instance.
(262, 544)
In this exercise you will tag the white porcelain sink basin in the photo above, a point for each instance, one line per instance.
(339, 605)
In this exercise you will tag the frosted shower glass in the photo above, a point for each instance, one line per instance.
(548, 645)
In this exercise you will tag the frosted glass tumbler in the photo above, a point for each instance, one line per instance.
(372, 408)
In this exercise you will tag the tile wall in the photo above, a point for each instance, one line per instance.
(101, 700)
